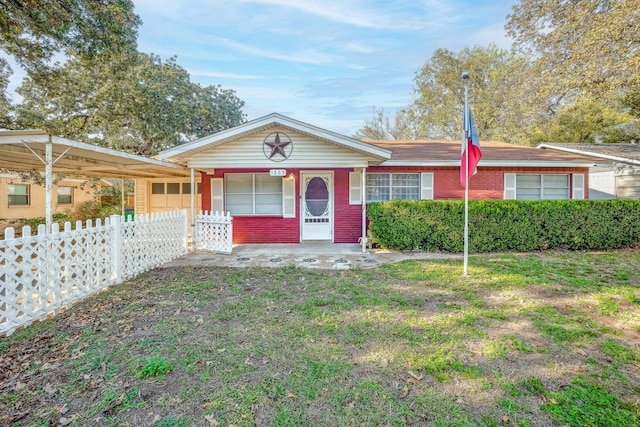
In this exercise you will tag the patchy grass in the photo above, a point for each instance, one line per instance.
(524, 340)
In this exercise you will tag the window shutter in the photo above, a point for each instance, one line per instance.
(578, 186)
(288, 198)
(217, 195)
(355, 188)
(426, 186)
(509, 186)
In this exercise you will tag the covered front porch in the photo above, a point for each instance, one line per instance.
(283, 181)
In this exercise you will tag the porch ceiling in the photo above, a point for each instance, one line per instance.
(24, 150)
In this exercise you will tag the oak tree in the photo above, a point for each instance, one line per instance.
(586, 47)
(144, 108)
(436, 111)
(34, 32)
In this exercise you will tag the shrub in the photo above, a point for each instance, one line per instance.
(93, 209)
(505, 225)
(35, 222)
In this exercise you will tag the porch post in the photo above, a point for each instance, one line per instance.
(122, 196)
(193, 208)
(363, 195)
(48, 184)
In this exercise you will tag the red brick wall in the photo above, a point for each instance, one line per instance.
(258, 229)
(488, 183)
(347, 218)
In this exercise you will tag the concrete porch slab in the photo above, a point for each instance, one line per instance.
(321, 255)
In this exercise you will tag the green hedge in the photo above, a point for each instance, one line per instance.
(505, 225)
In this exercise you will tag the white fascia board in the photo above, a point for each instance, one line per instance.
(420, 163)
(590, 153)
(538, 163)
(491, 163)
(17, 136)
(110, 152)
(209, 165)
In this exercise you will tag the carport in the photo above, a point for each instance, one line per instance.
(39, 151)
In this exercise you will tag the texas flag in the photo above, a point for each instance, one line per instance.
(472, 145)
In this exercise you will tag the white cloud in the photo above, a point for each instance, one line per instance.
(306, 56)
(223, 75)
(391, 15)
(492, 34)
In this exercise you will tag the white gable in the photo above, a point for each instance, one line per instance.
(244, 146)
(305, 152)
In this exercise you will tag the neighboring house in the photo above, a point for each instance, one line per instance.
(162, 194)
(25, 199)
(619, 179)
(285, 181)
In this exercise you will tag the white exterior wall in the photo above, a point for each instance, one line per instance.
(602, 185)
(622, 181)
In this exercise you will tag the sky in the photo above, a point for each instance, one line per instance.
(328, 63)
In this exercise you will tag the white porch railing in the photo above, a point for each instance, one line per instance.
(214, 232)
(40, 275)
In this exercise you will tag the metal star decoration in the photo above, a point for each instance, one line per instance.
(277, 146)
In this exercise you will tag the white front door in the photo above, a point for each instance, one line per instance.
(317, 205)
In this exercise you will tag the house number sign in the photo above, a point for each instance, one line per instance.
(278, 172)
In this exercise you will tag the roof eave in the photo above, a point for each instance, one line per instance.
(493, 163)
(590, 154)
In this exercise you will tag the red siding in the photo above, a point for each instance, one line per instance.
(488, 183)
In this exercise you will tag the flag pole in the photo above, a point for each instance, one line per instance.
(465, 142)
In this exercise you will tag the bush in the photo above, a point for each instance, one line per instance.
(505, 225)
(35, 222)
(93, 210)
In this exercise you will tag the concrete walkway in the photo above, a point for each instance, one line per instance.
(320, 255)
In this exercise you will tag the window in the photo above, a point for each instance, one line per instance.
(157, 188)
(542, 187)
(65, 195)
(18, 194)
(393, 186)
(173, 188)
(186, 188)
(253, 194)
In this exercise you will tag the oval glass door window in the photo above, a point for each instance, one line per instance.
(317, 196)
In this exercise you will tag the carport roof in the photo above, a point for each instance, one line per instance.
(25, 150)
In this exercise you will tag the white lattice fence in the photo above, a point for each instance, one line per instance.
(214, 232)
(40, 275)
(153, 239)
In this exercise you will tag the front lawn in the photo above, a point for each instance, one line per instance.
(524, 340)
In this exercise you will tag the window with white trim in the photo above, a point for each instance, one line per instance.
(542, 187)
(65, 195)
(19, 194)
(253, 194)
(393, 186)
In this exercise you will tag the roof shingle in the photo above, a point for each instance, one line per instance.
(438, 150)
